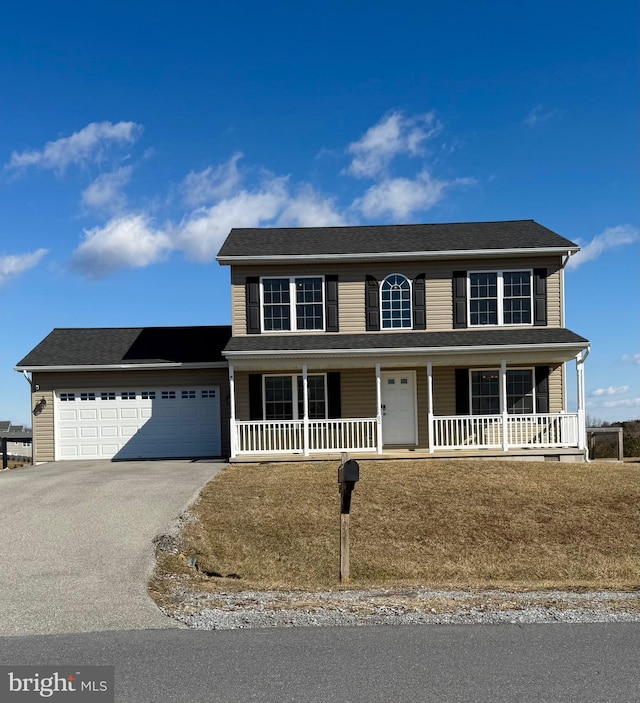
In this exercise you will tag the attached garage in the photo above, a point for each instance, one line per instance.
(138, 423)
(142, 393)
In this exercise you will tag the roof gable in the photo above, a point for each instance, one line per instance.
(385, 240)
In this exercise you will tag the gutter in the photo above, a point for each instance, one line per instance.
(403, 351)
(123, 367)
(394, 256)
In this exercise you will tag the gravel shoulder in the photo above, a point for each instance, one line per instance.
(251, 609)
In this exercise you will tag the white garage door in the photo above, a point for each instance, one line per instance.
(138, 423)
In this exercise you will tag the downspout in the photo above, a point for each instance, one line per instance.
(582, 410)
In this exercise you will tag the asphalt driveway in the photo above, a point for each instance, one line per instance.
(76, 542)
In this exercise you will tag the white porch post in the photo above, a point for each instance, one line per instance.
(232, 414)
(378, 409)
(582, 438)
(503, 404)
(305, 396)
(430, 405)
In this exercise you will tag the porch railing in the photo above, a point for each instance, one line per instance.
(486, 431)
(288, 436)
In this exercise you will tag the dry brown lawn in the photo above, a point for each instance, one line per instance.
(454, 524)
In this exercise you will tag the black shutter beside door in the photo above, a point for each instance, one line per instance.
(334, 401)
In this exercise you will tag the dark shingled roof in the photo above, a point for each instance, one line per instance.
(384, 239)
(131, 345)
(404, 340)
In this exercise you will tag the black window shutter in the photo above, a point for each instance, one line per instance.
(542, 389)
(372, 304)
(331, 303)
(334, 402)
(419, 303)
(462, 392)
(252, 293)
(459, 299)
(255, 396)
(539, 297)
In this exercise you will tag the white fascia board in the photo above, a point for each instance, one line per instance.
(123, 367)
(395, 255)
(403, 351)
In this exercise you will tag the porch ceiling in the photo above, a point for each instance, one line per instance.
(402, 349)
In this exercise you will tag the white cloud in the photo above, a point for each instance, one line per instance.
(85, 146)
(105, 193)
(393, 135)
(310, 209)
(538, 115)
(400, 197)
(13, 265)
(201, 234)
(610, 390)
(633, 358)
(627, 403)
(611, 238)
(124, 242)
(213, 183)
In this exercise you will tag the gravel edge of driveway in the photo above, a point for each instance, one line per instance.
(418, 606)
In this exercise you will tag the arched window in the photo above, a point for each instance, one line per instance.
(395, 299)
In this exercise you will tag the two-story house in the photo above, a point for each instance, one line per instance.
(427, 338)
(444, 340)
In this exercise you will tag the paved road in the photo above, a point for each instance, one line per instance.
(594, 663)
(76, 542)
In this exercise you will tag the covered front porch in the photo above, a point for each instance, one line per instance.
(417, 408)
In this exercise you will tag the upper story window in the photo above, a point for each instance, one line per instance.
(395, 302)
(500, 298)
(292, 304)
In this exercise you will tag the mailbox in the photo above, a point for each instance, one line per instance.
(349, 472)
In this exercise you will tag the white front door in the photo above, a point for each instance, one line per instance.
(398, 407)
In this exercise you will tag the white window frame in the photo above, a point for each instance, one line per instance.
(294, 390)
(500, 297)
(293, 304)
(396, 329)
(506, 400)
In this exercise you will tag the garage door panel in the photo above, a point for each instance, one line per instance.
(69, 432)
(108, 431)
(138, 423)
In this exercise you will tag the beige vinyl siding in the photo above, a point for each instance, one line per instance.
(556, 384)
(43, 424)
(43, 433)
(438, 286)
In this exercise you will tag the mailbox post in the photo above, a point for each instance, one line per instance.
(348, 475)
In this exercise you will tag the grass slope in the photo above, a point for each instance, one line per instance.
(459, 524)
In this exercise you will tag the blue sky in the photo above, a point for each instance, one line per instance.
(135, 135)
